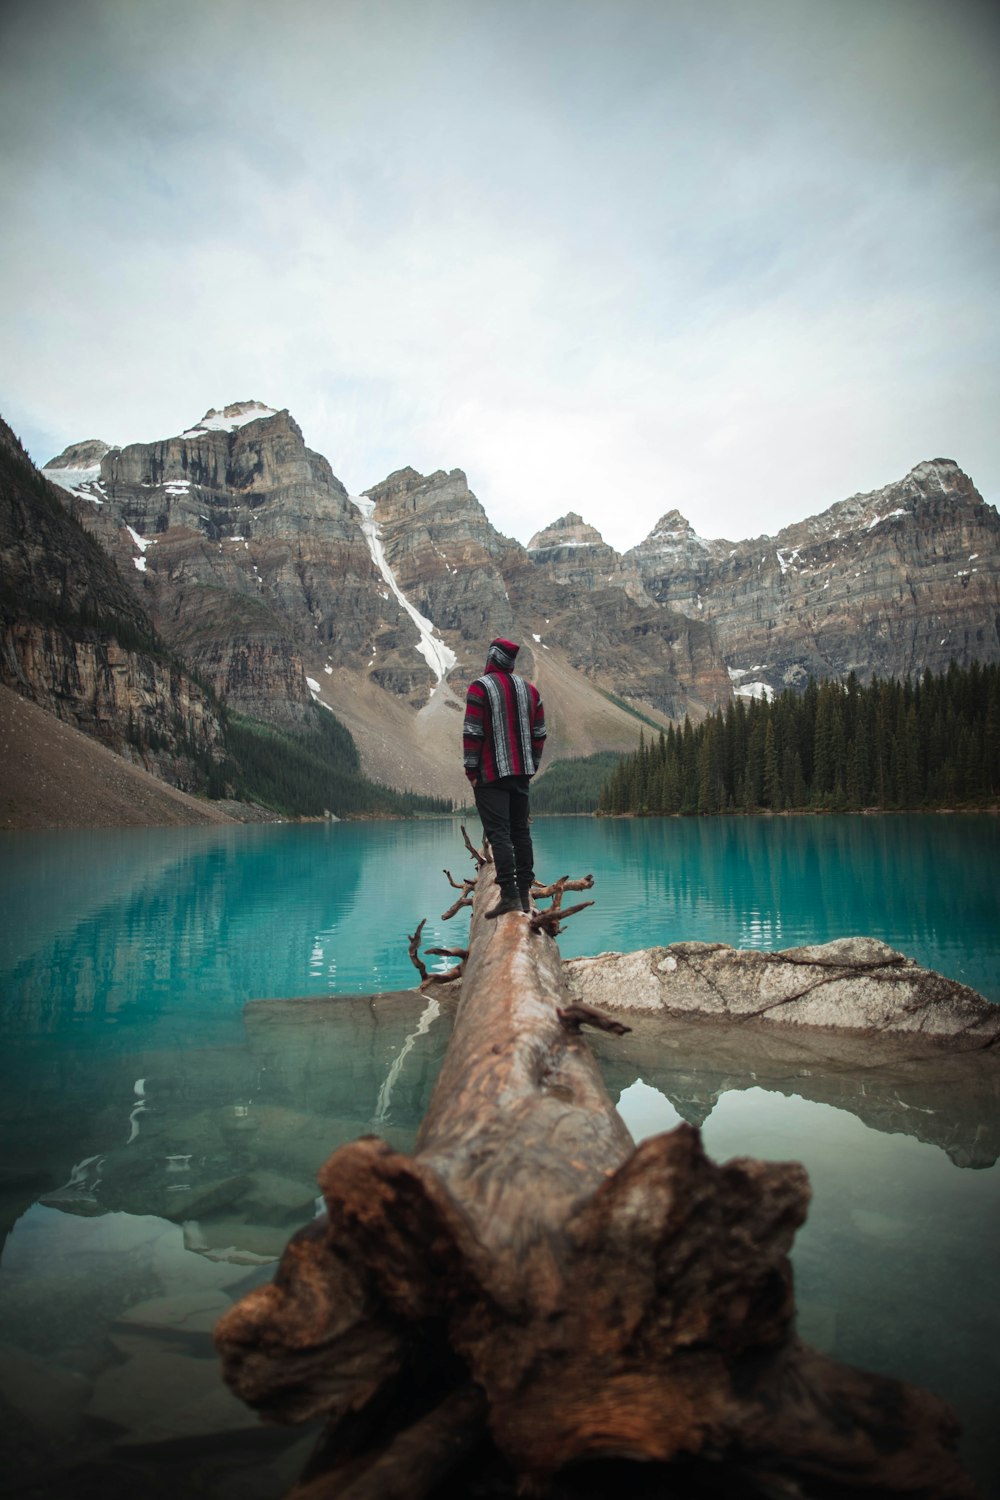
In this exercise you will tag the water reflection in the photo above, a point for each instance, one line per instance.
(224, 1140)
(899, 1086)
(161, 1142)
(177, 928)
(895, 1267)
(925, 884)
(141, 1193)
(147, 1188)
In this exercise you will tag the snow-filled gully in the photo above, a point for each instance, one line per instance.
(439, 657)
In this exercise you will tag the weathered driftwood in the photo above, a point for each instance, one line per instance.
(564, 883)
(426, 980)
(575, 1016)
(530, 1282)
(465, 899)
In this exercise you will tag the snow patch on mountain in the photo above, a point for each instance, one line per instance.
(230, 418)
(877, 520)
(86, 483)
(438, 656)
(142, 542)
(78, 469)
(754, 690)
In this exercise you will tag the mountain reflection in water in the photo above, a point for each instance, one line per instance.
(145, 1188)
(898, 1085)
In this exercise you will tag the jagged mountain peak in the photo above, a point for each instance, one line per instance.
(84, 455)
(575, 555)
(674, 517)
(929, 478)
(237, 414)
(407, 479)
(674, 536)
(930, 466)
(256, 560)
(407, 492)
(927, 483)
(571, 530)
(672, 524)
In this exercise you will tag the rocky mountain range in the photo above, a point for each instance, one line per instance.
(275, 588)
(888, 583)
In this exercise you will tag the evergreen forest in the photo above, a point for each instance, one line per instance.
(572, 786)
(306, 774)
(932, 741)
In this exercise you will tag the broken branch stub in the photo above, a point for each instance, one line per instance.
(413, 939)
(477, 854)
(585, 883)
(551, 919)
(608, 1302)
(575, 1016)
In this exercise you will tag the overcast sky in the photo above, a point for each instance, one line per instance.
(737, 257)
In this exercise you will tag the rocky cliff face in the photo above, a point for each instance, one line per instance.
(75, 639)
(891, 582)
(448, 560)
(577, 556)
(475, 583)
(276, 585)
(249, 549)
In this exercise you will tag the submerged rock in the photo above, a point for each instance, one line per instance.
(854, 984)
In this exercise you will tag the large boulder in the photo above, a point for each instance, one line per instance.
(856, 983)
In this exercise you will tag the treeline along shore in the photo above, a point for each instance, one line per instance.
(893, 744)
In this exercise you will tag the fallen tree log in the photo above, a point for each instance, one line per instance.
(530, 1285)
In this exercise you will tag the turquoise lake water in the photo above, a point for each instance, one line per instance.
(146, 925)
(160, 1142)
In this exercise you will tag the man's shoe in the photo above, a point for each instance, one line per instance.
(525, 898)
(509, 901)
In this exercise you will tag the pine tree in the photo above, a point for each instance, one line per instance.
(753, 780)
(771, 781)
(931, 741)
(991, 739)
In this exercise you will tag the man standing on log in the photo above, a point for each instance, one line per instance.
(502, 742)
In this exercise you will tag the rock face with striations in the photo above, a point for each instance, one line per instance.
(277, 587)
(250, 550)
(475, 583)
(77, 641)
(896, 581)
(447, 559)
(577, 556)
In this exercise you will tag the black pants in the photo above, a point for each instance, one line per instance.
(503, 808)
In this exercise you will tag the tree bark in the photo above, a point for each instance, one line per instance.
(609, 1302)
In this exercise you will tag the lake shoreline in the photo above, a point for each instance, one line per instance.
(784, 812)
(183, 810)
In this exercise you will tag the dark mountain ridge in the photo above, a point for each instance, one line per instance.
(77, 641)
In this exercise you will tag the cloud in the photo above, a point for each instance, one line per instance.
(614, 259)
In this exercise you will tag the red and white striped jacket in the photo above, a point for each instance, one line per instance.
(504, 730)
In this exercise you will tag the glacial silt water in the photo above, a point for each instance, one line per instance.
(191, 922)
